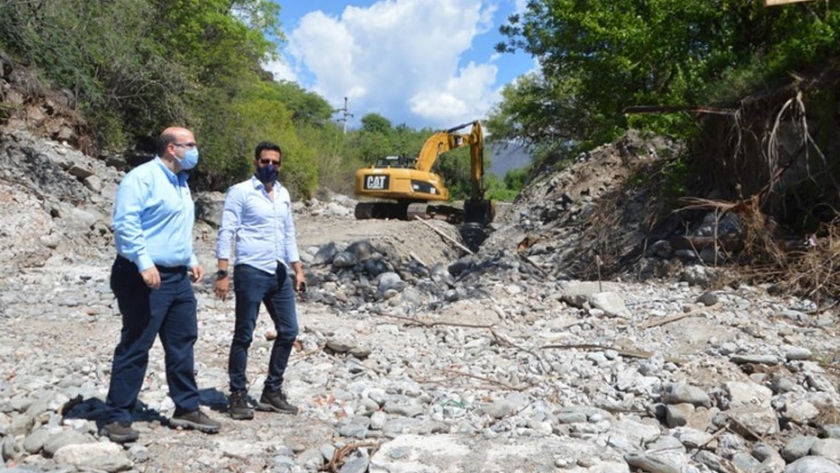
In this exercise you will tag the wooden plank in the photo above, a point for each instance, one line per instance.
(770, 3)
(444, 235)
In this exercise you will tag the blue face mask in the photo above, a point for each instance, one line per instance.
(190, 159)
(266, 174)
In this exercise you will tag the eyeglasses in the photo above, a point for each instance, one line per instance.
(269, 161)
(184, 145)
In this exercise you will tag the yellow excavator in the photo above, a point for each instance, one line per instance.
(408, 184)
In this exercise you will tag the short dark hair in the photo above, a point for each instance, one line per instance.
(267, 146)
(164, 140)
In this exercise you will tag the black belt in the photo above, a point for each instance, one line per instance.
(171, 269)
(162, 269)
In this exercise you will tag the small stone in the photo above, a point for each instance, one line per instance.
(812, 464)
(708, 299)
(797, 448)
(827, 448)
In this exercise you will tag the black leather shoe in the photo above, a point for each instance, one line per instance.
(238, 407)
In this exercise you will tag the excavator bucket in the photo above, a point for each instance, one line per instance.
(478, 211)
(477, 215)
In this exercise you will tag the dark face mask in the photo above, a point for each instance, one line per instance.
(266, 174)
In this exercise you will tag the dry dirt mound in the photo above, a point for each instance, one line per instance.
(25, 104)
(594, 214)
(422, 241)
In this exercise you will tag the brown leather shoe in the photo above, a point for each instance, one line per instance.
(119, 432)
(275, 401)
(197, 420)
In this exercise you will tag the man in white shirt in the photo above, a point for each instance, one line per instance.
(258, 214)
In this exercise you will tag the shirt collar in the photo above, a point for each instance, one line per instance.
(180, 178)
(258, 184)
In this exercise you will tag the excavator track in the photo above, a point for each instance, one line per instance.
(453, 215)
(381, 210)
(408, 211)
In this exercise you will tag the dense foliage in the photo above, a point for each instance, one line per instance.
(137, 66)
(600, 56)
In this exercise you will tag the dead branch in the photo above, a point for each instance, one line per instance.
(578, 322)
(524, 258)
(677, 108)
(337, 459)
(235, 456)
(772, 153)
(677, 317)
(425, 323)
(417, 258)
(486, 380)
(445, 236)
(621, 351)
(504, 341)
(697, 203)
(307, 354)
(746, 429)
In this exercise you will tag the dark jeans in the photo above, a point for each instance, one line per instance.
(169, 312)
(253, 287)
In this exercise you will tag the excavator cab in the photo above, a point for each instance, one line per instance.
(395, 162)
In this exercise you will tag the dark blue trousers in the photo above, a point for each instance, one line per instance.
(169, 312)
(253, 287)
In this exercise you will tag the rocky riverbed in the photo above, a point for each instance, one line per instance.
(414, 356)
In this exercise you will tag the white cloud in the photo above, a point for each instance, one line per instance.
(520, 6)
(469, 92)
(281, 70)
(402, 59)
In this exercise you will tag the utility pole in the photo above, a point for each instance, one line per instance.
(344, 115)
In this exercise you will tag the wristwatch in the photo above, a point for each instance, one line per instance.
(221, 274)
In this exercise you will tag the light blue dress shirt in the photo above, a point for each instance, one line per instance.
(153, 217)
(264, 229)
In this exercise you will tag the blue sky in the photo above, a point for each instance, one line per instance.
(425, 63)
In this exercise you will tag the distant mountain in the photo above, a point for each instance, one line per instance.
(504, 157)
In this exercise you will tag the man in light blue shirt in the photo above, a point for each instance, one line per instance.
(152, 280)
(258, 215)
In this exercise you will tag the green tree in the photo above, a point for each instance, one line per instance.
(541, 112)
(406, 141)
(375, 123)
(515, 179)
(308, 108)
(600, 56)
(369, 147)
(136, 66)
(217, 39)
